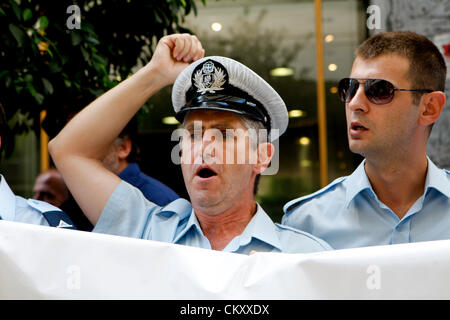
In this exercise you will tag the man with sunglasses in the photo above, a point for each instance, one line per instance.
(392, 99)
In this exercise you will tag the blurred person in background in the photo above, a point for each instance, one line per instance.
(122, 158)
(19, 209)
(51, 188)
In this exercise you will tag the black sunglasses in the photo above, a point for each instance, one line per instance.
(377, 91)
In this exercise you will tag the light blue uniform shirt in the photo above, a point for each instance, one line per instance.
(16, 208)
(128, 213)
(348, 214)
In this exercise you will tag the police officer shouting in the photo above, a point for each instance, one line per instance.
(218, 100)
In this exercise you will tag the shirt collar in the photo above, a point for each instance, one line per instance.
(7, 200)
(356, 183)
(260, 227)
(437, 179)
(191, 223)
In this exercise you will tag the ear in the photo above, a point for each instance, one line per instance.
(266, 151)
(124, 149)
(431, 107)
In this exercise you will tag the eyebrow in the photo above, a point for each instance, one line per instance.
(220, 126)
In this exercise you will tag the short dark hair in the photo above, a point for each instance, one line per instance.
(427, 68)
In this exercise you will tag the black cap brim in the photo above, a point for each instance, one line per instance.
(226, 103)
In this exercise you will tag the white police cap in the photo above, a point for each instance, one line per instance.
(223, 84)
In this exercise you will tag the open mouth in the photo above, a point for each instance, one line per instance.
(206, 173)
(357, 127)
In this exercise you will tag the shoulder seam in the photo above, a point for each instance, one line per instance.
(41, 206)
(291, 203)
(304, 233)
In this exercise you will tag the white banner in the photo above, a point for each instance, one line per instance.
(49, 263)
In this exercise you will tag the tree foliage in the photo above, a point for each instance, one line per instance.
(45, 65)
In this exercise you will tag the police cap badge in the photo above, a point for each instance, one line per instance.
(223, 84)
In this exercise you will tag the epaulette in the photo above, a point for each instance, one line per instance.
(54, 216)
(41, 206)
(327, 188)
(321, 242)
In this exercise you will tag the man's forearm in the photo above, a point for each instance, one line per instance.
(91, 132)
(84, 141)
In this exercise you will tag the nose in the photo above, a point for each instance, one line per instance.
(359, 102)
(210, 142)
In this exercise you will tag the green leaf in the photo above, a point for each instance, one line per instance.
(31, 89)
(2, 12)
(50, 53)
(27, 14)
(85, 54)
(18, 80)
(3, 73)
(39, 98)
(8, 82)
(19, 89)
(47, 86)
(20, 119)
(76, 38)
(92, 40)
(28, 78)
(18, 34)
(95, 92)
(99, 59)
(43, 22)
(54, 66)
(54, 48)
(15, 8)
